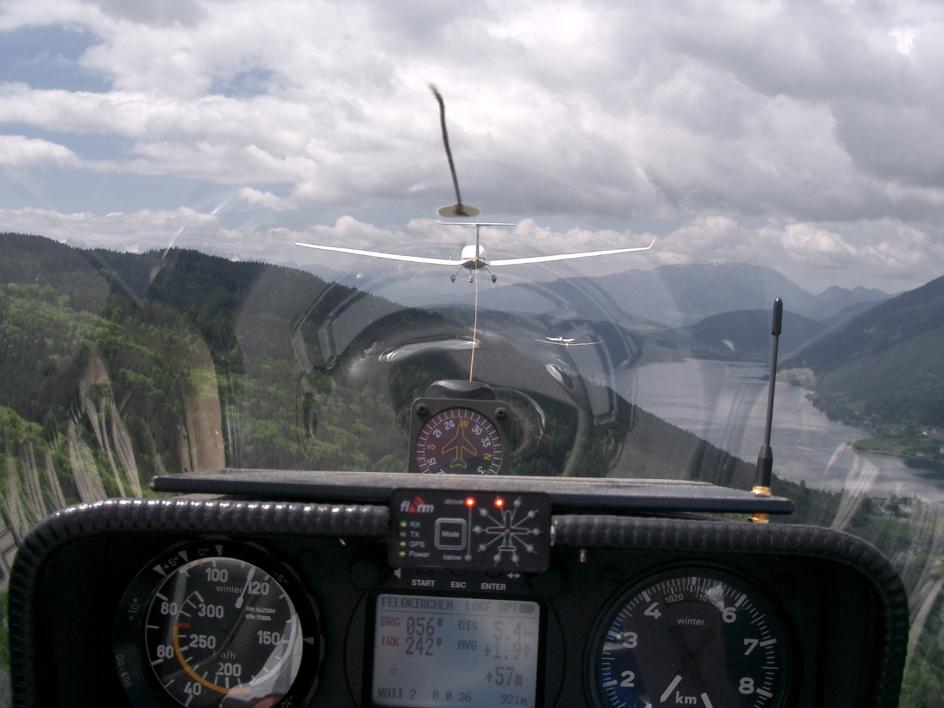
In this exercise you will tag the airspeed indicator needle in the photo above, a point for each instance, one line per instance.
(239, 600)
(216, 620)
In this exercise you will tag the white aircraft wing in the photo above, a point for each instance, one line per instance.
(388, 256)
(566, 256)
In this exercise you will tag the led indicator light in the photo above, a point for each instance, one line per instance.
(470, 502)
(499, 503)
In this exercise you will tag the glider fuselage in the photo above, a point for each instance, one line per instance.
(471, 260)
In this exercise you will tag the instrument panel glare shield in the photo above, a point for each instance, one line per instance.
(455, 652)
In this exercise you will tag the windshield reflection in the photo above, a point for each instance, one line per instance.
(159, 163)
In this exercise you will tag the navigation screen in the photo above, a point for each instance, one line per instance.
(455, 651)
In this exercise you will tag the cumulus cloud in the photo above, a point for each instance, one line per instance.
(265, 199)
(17, 151)
(40, 13)
(813, 244)
(809, 135)
(140, 231)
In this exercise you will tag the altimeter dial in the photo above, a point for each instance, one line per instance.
(690, 637)
(459, 441)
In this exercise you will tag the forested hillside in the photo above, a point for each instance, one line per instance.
(743, 335)
(115, 367)
(883, 370)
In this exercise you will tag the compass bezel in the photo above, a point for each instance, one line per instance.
(426, 409)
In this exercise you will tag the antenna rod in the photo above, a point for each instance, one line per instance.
(765, 458)
(460, 211)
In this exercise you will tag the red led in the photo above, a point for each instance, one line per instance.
(499, 502)
(470, 502)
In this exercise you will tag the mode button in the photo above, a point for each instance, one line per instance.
(450, 534)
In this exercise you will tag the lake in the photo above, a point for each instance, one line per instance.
(725, 403)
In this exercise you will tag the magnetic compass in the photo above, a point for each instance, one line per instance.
(459, 434)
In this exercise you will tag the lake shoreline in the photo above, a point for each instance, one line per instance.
(724, 403)
(914, 461)
(910, 450)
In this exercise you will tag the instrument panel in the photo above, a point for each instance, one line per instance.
(244, 603)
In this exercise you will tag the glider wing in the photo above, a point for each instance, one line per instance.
(566, 256)
(388, 256)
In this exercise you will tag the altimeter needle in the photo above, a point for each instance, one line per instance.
(671, 687)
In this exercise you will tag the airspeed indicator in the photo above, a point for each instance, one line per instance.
(203, 628)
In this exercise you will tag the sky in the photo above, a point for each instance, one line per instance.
(804, 136)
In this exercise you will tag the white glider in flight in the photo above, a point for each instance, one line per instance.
(473, 255)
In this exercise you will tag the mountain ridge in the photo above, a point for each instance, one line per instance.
(681, 295)
(745, 334)
(882, 370)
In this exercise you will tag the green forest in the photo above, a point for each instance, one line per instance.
(116, 367)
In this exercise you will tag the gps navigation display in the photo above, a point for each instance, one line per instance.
(455, 651)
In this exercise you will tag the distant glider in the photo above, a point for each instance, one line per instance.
(566, 341)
